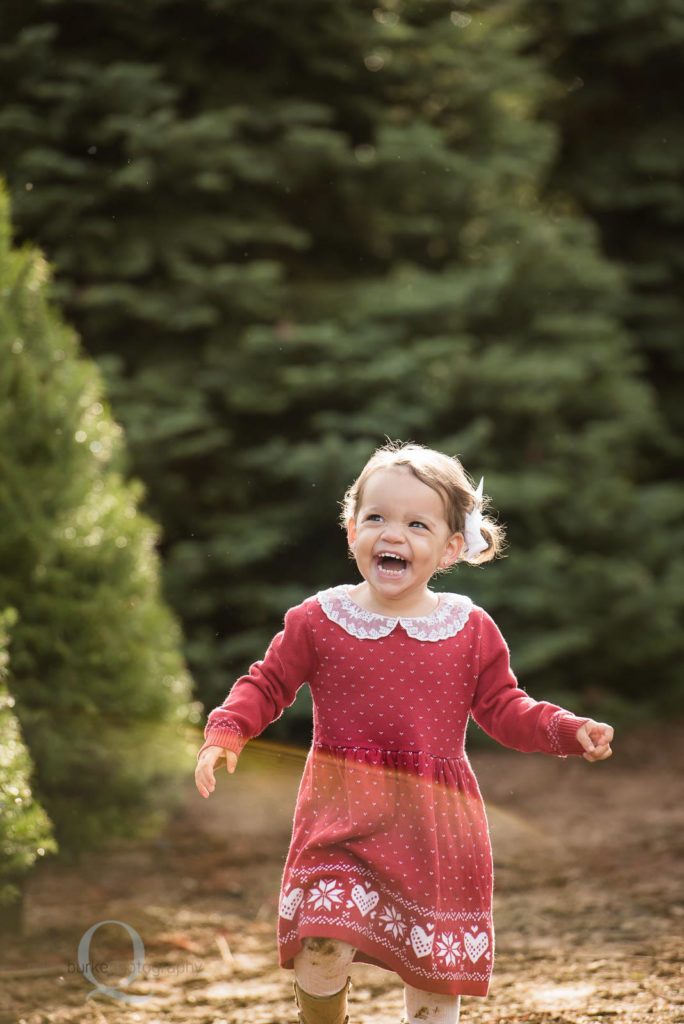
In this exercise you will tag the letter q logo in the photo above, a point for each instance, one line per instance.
(138, 960)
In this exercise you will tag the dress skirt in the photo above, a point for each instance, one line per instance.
(390, 852)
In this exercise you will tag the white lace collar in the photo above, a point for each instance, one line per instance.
(447, 620)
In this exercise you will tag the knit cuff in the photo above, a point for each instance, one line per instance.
(223, 736)
(563, 728)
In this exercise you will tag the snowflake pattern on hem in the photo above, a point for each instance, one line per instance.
(437, 951)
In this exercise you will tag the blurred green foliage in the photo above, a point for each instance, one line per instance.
(99, 685)
(615, 103)
(25, 829)
(288, 231)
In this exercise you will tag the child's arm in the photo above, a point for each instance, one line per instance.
(260, 696)
(510, 716)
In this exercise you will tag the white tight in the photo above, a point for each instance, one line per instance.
(433, 1007)
(322, 967)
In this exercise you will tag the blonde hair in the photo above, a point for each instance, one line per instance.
(445, 475)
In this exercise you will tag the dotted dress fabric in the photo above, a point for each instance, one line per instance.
(390, 847)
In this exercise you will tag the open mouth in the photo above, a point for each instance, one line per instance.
(391, 565)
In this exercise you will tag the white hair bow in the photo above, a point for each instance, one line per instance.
(475, 542)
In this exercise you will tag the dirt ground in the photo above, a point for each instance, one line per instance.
(589, 906)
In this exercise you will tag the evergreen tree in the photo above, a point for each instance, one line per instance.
(615, 101)
(288, 231)
(25, 829)
(100, 688)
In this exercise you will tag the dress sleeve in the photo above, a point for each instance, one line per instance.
(508, 714)
(261, 695)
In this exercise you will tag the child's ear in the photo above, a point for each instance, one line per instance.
(351, 533)
(452, 550)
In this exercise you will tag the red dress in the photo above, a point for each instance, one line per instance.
(390, 847)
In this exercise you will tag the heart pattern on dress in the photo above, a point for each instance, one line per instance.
(364, 901)
(475, 946)
(421, 938)
(422, 942)
(289, 903)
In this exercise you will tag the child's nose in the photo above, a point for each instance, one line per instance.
(393, 532)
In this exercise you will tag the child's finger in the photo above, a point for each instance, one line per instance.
(204, 779)
(206, 786)
(599, 753)
(601, 732)
(584, 737)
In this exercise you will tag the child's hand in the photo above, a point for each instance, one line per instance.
(595, 737)
(204, 772)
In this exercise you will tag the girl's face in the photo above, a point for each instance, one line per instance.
(400, 536)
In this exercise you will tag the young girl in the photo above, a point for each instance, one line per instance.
(390, 860)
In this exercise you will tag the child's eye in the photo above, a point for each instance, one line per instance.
(373, 515)
(416, 522)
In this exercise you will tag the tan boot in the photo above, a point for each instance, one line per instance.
(323, 1009)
